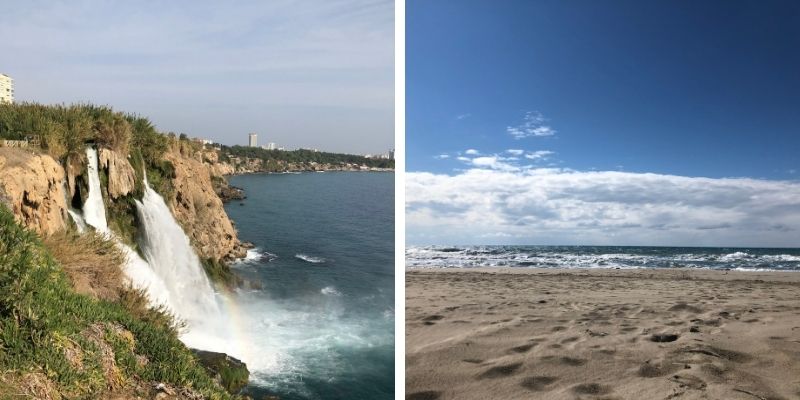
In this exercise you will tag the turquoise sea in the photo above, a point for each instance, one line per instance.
(319, 312)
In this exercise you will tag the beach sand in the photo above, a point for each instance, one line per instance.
(602, 334)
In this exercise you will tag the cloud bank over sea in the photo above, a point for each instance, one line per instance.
(534, 205)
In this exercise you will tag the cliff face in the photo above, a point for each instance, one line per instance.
(31, 185)
(198, 208)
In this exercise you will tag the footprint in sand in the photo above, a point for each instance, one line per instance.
(572, 362)
(664, 337)
(431, 319)
(426, 395)
(689, 381)
(537, 383)
(500, 371)
(591, 388)
(570, 339)
(523, 348)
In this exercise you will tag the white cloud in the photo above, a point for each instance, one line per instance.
(538, 155)
(442, 156)
(463, 116)
(493, 162)
(557, 206)
(503, 163)
(533, 125)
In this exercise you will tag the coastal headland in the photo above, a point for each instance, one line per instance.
(521, 333)
(79, 185)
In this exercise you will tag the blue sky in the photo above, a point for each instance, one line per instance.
(661, 111)
(316, 73)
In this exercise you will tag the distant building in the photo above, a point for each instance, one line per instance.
(269, 146)
(391, 154)
(253, 140)
(6, 89)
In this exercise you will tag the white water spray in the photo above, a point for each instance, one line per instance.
(94, 211)
(79, 222)
(138, 271)
(171, 256)
(172, 274)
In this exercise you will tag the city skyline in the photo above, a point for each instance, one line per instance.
(316, 75)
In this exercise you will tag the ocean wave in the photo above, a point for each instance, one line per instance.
(330, 291)
(311, 259)
(601, 257)
(254, 256)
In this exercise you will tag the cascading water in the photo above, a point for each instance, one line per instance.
(94, 212)
(137, 270)
(171, 256)
(79, 222)
(172, 274)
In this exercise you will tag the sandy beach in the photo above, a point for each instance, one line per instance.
(602, 334)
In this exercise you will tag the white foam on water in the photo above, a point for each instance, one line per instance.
(311, 259)
(330, 291)
(547, 257)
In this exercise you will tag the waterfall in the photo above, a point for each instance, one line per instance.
(94, 211)
(79, 222)
(170, 254)
(171, 272)
(138, 272)
(167, 249)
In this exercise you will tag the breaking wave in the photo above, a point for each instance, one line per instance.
(311, 259)
(754, 259)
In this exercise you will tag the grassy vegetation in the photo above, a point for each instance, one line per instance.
(93, 271)
(65, 130)
(55, 342)
(271, 158)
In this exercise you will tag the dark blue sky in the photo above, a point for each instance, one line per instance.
(690, 88)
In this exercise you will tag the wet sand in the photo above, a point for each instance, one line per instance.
(602, 334)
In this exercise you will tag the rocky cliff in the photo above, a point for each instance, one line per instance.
(197, 207)
(32, 186)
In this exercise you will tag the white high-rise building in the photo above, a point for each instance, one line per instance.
(6, 89)
(253, 140)
(271, 146)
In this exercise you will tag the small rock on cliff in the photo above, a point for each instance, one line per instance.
(121, 177)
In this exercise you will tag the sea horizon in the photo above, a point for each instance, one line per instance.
(590, 256)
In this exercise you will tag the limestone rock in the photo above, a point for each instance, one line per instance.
(121, 177)
(199, 210)
(32, 186)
